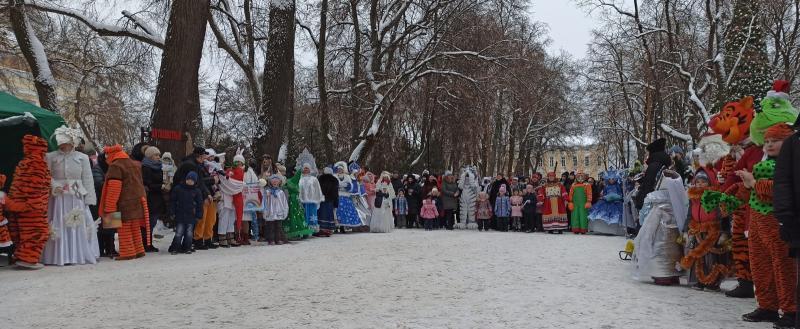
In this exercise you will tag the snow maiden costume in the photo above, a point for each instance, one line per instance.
(346, 212)
(656, 250)
(276, 209)
(554, 209)
(73, 235)
(310, 190)
(382, 218)
(468, 183)
(606, 215)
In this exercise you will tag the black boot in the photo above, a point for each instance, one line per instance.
(786, 321)
(744, 290)
(210, 244)
(761, 315)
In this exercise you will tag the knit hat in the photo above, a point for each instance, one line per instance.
(239, 157)
(676, 149)
(327, 170)
(779, 131)
(657, 145)
(191, 176)
(151, 151)
(166, 155)
(197, 151)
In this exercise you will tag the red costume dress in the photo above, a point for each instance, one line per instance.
(553, 196)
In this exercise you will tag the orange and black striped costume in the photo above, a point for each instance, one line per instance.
(774, 272)
(27, 201)
(5, 237)
(123, 192)
(704, 227)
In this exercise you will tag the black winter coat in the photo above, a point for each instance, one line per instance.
(655, 162)
(413, 197)
(186, 202)
(329, 185)
(153, 179)
(786, 192)
(188, 165)
(495, 189)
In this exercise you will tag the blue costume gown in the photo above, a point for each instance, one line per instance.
(609, 208)
(347, 213)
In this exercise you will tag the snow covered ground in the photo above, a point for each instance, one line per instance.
(405, 279)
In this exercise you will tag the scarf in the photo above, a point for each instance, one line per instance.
(152, 164)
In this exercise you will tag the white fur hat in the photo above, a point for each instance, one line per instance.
(67, 135)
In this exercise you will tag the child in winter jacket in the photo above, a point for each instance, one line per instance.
(400, 209)
(429, 212)
(186, 202)
(502, 209)
(483, 211)
(516, 210)
(437, 199)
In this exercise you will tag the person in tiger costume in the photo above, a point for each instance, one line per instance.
(27, 201)
(774, 272)
(5, 238)
(733, 124)
(131, 206)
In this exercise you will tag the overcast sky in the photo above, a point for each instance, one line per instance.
(570, 26)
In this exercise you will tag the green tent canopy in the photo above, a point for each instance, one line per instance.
(17, 119)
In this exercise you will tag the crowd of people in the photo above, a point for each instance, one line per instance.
(729, 209)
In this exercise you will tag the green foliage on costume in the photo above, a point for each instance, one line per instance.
(295, 225)
(774, 110)
(711, 200)
(762, 170)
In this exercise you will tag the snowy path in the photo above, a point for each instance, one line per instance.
(406, 279)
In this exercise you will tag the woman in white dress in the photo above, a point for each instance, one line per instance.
(382, 218)
(73, 238)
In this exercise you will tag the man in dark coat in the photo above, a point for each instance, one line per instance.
(657, 159)
(397, 183)
(786, 196)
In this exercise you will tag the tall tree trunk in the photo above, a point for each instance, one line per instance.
(177, 104)
(278, 79)
(512, 141)
(33, 51)
(355, 101)
(322, 85)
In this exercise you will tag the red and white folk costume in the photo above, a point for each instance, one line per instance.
(553, 196)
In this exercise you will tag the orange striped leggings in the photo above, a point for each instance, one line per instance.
(29, 235)
(130, 239)
(739, 245)
(774, 273)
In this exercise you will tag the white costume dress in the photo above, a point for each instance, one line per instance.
(656, 250)
(382, 217)
(468, 183)
(73, 233)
